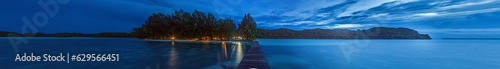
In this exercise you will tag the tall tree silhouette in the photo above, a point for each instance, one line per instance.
(248, 28)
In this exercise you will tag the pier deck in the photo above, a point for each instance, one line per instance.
(254, 58)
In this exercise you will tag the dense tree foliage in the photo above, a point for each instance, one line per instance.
(372, 33)
(248, 28)
(185, 25)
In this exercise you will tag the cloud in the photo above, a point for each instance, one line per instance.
(304, 8)
(379, 15)
(361, 13)
(431, 15)
(362, 5)
(475, 11)
(463, 31)
(427, 14)
(348, 26)
(467, 4)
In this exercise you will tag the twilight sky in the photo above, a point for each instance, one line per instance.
(439, 18)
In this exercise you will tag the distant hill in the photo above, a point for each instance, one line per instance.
(372, 33)
(104, 34)
(5, 33)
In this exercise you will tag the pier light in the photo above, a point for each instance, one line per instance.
(173, 38)
(237, 37)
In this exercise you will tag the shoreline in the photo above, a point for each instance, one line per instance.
(195, 40)
(246, 40)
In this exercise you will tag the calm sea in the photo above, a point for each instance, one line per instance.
(133, 53)
(381, 54)
(280, 53)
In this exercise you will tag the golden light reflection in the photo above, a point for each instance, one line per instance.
(172, 63)
(239, 52)
(205, 42)
(224, 50)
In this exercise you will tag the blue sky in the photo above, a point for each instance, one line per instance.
(439, 18)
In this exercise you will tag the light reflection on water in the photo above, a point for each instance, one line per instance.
(134, 54)
(205, 52)
(224, 50)
(173, 57)
(239, 52)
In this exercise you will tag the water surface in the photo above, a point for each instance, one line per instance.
(134, 53)
(381, 54)
(280, 53)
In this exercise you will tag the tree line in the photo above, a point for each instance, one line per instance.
(195, 26)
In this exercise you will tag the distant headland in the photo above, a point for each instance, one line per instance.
(372, 33)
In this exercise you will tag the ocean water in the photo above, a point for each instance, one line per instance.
(280, 53)
(381, 54)
(133, 53)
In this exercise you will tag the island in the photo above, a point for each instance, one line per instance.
(182, 25)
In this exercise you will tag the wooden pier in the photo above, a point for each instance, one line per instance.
(253, 58)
